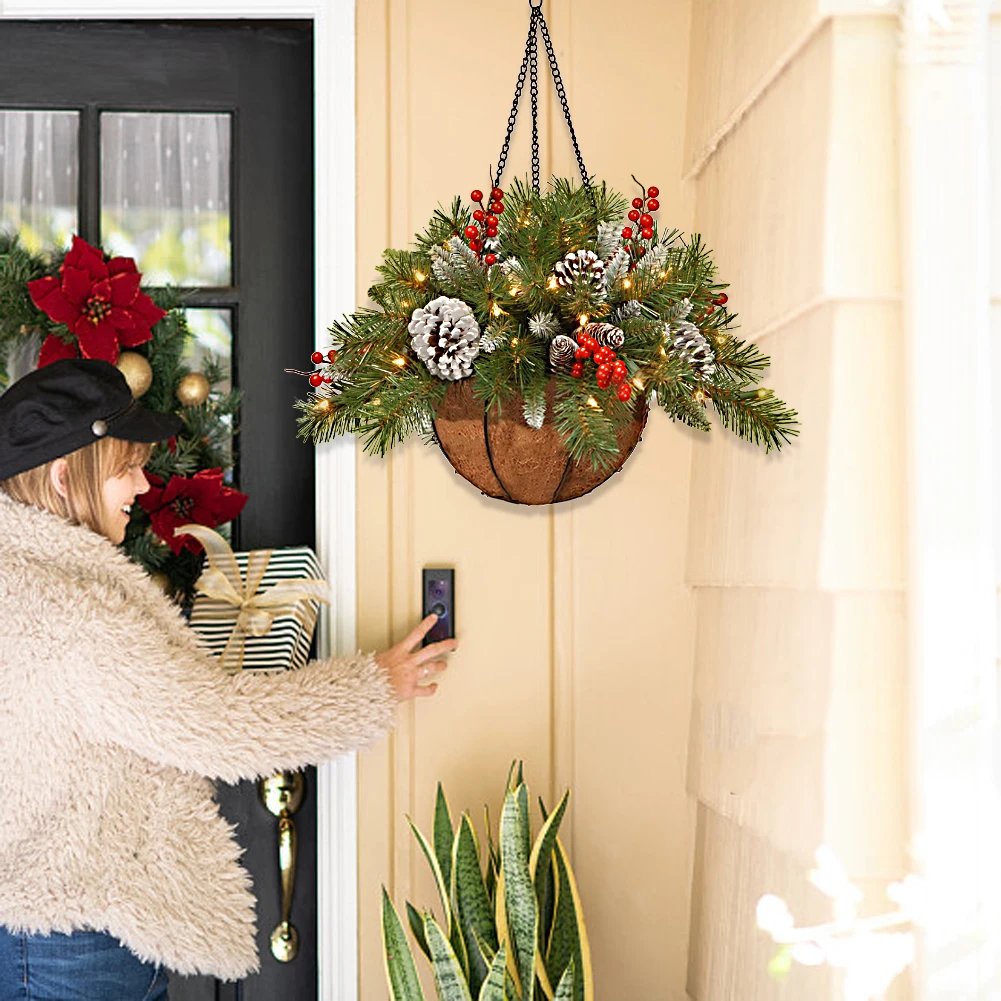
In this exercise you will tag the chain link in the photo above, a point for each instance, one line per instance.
(529, 67)
(530, 45)
(561, 91)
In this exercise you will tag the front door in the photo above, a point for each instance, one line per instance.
(190, 147)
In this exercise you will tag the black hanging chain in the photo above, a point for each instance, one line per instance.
(530, 46)
(529, 67)
(534, 88)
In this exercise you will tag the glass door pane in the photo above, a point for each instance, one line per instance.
(38, 176)
(165, 195)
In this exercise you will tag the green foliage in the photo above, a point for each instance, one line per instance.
(382, 392)
(515, 945)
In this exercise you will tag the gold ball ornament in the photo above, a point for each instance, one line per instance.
(193, 390)
(137, 371)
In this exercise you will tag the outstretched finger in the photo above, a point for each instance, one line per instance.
(425, 691)
(419, 632)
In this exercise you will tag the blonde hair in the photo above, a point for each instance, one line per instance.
(86, 471)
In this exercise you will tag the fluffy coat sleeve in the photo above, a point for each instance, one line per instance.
(130, 672)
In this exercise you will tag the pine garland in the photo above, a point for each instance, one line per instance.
(381, 391)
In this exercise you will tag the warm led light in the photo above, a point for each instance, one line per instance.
(405, 304)
(662, 351)
(663, 274)
(419, 276)
(699, 396)
(496, 310)
(399, 362)
(376, 402)
(637, 383)
(592, 402)
(553, 283)
(626, 283)
(515, 290)
(763, 393)
(323, 405)
(582, 319)
(514, 342)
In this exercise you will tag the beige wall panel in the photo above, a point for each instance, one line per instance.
(729, 955)
(861, 230)
(760, 202)
(736, 46)
(864, 542)
(632, 667)
(576, 638)
(827, 510)
(994, 99)
(865, 778)
(758, 519)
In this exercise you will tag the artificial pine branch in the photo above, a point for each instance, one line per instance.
(757, 415)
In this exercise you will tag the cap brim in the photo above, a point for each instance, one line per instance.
(140, 424)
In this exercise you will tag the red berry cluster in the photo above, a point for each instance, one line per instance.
(318, 358)
(639, 214)
(487, 219)
(611, 369)
(705, 310)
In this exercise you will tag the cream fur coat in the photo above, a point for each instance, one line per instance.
(112, 724)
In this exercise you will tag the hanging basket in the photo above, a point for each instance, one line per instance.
(510, 461)
(575, 292)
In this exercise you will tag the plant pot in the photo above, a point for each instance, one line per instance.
(508, 460)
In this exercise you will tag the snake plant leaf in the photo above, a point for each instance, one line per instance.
(568, 940)
(473, 910)
(522, 911)
(417, 928)
(493, 986)
(515, 776)
(523, 813)
(493, 859)
(401, 974)
(439, 878)
(542, 850)
(454, 932)
(564, 992)
(449, 978)
(443, 835)
(484, 949)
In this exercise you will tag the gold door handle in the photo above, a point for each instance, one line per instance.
(282, 795)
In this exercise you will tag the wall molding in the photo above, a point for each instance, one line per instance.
(771, 76)
(334, 118)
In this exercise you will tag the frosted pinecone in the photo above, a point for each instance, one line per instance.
(544, 326)
(606, 334)
(627, 311)
(561, 352)
(580, 265)
(445, 337)
(690, 345)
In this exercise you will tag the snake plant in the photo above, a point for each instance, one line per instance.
(511, 926)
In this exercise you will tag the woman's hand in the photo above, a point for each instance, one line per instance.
(408, 664)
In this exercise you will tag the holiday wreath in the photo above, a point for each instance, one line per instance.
(86, 302)
(527, 334)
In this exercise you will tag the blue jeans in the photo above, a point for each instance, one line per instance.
(83, 966)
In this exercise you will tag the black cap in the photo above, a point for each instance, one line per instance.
(69, 404)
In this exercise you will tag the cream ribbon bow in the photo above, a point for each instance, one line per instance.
(222, 581)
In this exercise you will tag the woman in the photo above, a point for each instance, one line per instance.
(114, 861)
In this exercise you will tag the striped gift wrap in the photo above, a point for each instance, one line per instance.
(287, 643)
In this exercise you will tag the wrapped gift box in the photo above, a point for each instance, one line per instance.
(288, 641)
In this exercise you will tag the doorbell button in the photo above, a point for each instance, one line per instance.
(438, 590)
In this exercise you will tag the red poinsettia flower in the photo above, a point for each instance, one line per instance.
(100, 303)
(203, 499)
